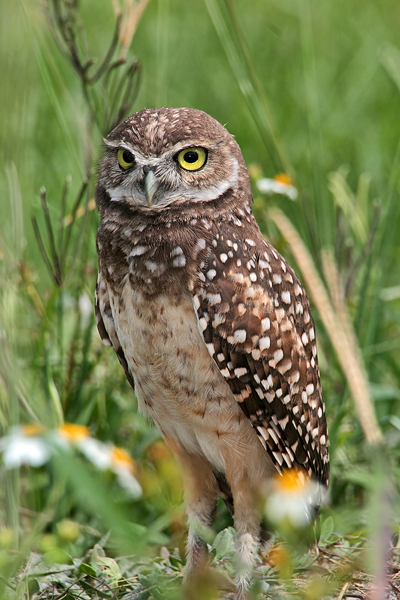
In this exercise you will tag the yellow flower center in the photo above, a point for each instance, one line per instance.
(120, 458)
(33, 429)
(292, 482)
(283, 178)
(73, 432)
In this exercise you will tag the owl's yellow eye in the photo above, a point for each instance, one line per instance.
(125, 158)
(192, 159)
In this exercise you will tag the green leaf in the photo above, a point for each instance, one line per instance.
(175, 561)
(326, 530)
(59, 556)
(111, 570)
(87, 569)
(224, 543)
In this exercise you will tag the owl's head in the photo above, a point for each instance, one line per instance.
(165, 156)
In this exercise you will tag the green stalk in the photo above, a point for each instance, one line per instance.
(235, 47)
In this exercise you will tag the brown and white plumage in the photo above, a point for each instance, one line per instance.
(211, 325)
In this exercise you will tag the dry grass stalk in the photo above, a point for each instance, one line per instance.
(337, 324)
(131, 12)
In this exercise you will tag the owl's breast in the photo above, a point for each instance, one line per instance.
(175, 378)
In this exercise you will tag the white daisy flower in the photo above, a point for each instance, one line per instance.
(98, 453)
(124, 468)
(293, 498)
(280, 184)
(33, 445)
(103, 456)
(25, 445)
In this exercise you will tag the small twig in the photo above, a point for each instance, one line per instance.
(53, 250)
(110, 53)
(42, 248)
(132, 88)
(343, 590)
(63, 208)
(364, 252)
(73, 216)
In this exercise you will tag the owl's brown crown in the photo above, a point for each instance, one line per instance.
(157, 129)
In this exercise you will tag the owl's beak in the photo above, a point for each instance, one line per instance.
(151, 184)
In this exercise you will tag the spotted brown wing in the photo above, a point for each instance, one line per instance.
(256, 323)
(106, 327)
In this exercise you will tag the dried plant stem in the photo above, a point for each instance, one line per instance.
(343, 590)
(337, 323)
(131, 15)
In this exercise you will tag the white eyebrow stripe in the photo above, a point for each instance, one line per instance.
(112, 145)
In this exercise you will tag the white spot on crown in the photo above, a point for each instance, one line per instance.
(155, 267)
(179, 261)
(200, 245)
(176, 251)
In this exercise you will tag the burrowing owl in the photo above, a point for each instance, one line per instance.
(211, 325)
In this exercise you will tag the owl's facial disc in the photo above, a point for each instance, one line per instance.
(184, 172)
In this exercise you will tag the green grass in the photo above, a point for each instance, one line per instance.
(308, 88)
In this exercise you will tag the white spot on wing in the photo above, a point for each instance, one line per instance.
(214, 299)
(240, 335)
(265, 342)
(211, 349)
(138, 251)
(211, 274)
(310, 389)
(240, 371)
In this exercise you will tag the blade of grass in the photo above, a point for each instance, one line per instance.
(381, 257)
(98, 500)
(43, 250)
(322, 207)
(78, 244)
(53, 80)
(63, 208)
(58, 275)
(162, 51)
(235, 48)
(71, 220)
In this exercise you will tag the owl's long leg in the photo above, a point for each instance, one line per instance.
(201, 495)
(247, 525)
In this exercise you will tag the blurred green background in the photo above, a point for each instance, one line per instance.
(307, 87)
